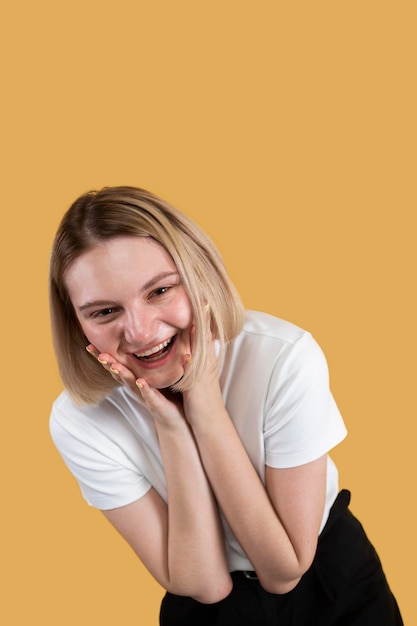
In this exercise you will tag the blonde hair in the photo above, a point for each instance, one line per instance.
(119, 211)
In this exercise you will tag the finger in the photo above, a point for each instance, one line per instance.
(103, 358)
(147, 395)
(92, 350)
(106, 360)
(187, 359)
(119, 372)
(160, 407)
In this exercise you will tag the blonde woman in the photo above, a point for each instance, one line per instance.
(200, 430)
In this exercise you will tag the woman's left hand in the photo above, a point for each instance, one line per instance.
(203, 402)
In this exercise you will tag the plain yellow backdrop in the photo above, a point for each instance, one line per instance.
(288, 131)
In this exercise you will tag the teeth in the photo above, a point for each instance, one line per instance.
(155, 349)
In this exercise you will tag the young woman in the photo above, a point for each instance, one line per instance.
(202, 431)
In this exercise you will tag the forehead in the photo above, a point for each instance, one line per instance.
(116, 262)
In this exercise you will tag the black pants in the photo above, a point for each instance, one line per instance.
(345, 586)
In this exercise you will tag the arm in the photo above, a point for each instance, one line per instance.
(181, 543)
(277, 526)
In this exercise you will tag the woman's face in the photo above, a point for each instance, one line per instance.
(130, 301)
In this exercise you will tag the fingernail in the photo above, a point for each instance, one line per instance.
(139, 384)
(90, 350)
(102, 361)
(189, 358)
(206, 307)
(114, 371)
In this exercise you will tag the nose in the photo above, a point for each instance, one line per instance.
(139, 326)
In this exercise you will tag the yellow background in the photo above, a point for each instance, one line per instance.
(288, 131)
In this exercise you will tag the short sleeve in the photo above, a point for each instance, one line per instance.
(105, 474)
(302, 421)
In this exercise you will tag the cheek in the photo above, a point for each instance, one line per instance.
(99, 337)
(184, 315)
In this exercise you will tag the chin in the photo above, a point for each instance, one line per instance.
(165, 382)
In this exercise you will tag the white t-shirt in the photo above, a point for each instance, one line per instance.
(275, 388)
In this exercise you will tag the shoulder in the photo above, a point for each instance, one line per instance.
(92, 424)
(65, 410)
(258, 324)
(271, 339)
(105, 446)
(270, 353)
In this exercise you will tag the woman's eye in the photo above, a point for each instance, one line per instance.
(160, 291)
(104, 312)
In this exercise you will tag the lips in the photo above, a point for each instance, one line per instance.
(156, 352)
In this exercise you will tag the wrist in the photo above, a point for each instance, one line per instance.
(210, 421)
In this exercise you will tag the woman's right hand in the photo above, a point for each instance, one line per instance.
(165, 408)
(182, 543)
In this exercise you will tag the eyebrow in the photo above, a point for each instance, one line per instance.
(151, 283)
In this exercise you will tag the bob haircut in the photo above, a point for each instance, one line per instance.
(129, 211)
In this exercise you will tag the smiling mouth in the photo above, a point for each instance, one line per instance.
(157, 352)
